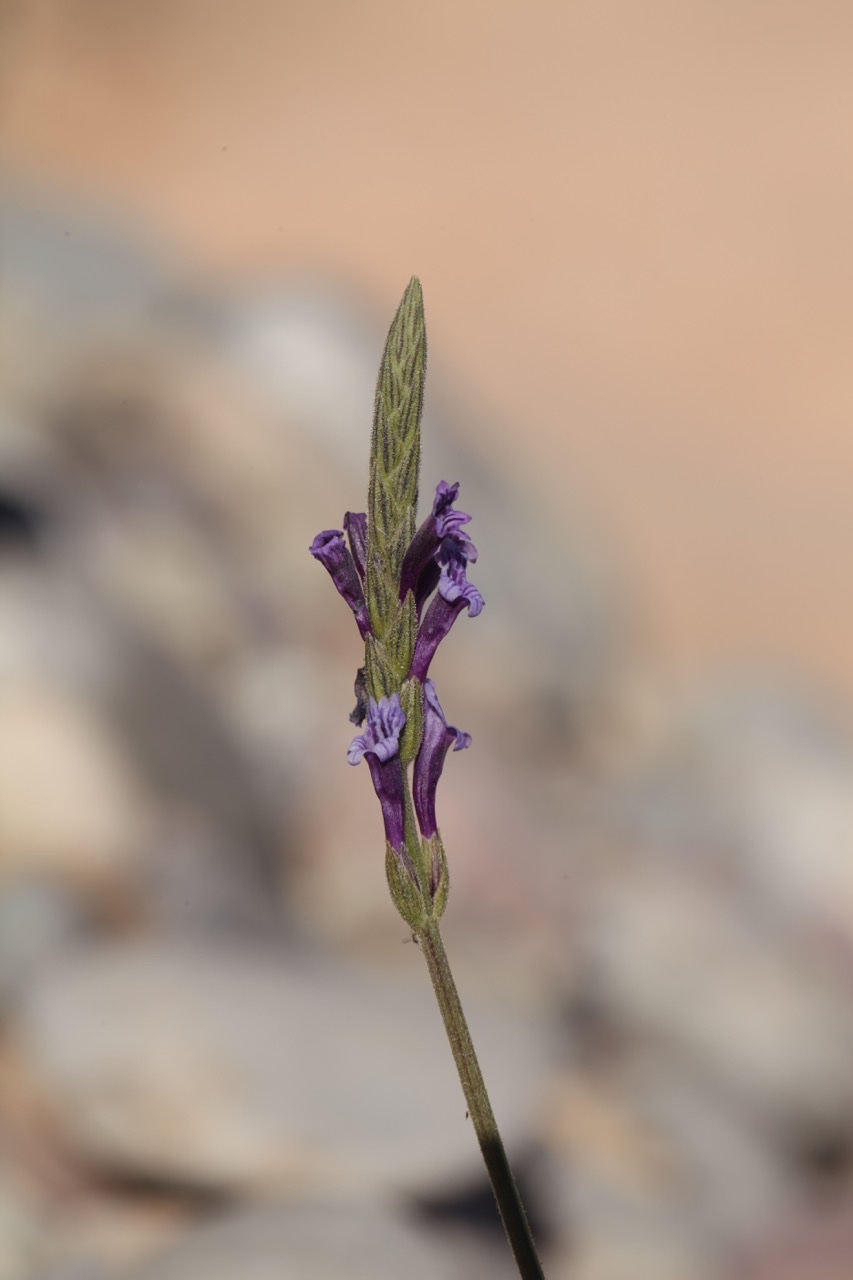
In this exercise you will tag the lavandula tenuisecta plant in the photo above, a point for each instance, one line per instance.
(406, 585)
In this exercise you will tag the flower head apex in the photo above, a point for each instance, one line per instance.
(385, 721)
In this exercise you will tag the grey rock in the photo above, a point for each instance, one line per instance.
(38, 920)
(220, 1068)
(329, 1242)
(679, 958)
(758, 776)
(18, 1243)
(68, 804)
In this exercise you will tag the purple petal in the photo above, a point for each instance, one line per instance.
(380, 744)
(454, 593)
(385, 720)
(456, 547)
(454, 586)
(438, 737)
(388, 784)
(441, 535)
(437, 621)
(357, 748)
(445, 496)
(330, 549)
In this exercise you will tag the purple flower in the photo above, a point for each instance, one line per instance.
(448, 522)
(440, 537)
(438, 738)
(453, 586)
(380, 743)
(435, 565)
(454, 592)
(329, 548)
(385, 720)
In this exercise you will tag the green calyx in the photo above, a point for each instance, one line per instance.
(419, 889)
(439, 876)
(406, 892)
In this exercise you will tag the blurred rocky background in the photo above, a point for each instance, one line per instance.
(219, 1054)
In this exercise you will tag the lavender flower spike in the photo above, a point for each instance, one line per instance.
(438, 738)
(440, 537)
(329, 548)
(380, 743)
(454, 592)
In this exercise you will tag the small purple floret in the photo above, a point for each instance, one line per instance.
(388, 784)
(440, 538)
(332, 552)
(437, 621)
(385, 720)
(455, 543)
(380, 744)
(438, 738)
(445, 496)
(454, 593)
(453, 586)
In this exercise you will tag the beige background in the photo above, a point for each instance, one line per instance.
(632, 221)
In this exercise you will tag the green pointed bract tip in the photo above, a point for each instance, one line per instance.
(395, 454)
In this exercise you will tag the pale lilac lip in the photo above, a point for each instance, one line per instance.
(385, 721)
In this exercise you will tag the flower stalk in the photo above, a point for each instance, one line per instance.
(406, 585)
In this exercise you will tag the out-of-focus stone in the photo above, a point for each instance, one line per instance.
(67, 805)
(760, 775)
(599, 1133)
(650, 1249)
(105, 1234)
(633, 1174)
(814, 1245)
(679, 958)
(311, 1242)
(729, 1180)
(38, 919)
(229, 1069)
(20, 1234)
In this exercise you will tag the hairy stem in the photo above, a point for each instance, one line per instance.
(479, 1106)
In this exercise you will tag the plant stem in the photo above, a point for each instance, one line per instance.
(479, 1106)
